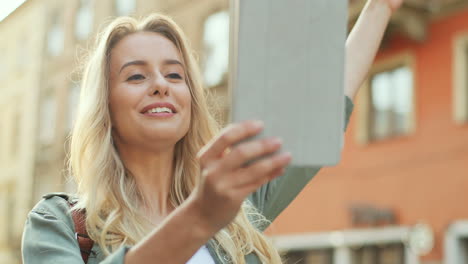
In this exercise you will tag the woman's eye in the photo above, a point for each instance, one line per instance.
(174, 76)
(136, 77)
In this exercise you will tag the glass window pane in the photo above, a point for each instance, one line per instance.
(319, 257)
(464, 245)
(125, 7)
(55, 39)
(216, 39)
(403, 99)
(392, 103)
(294, 257)
(47, 120)
(16, 135)
(379, 254)
(313, 256)
(382, 105)
(391, 254)
(84, 20)
(73, 99)
(381, 91)
(402, 85)
(369, 255)
(22, 55)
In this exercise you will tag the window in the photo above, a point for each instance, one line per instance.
(84, 20)
(16, 137)
(391, 103)
(460, 94)
(379, 254)
(385, 105)
(216, 41)
(124, 7)
(47, 120)
(55, 38)
(317, 256)
(22, 54)
(73, 99)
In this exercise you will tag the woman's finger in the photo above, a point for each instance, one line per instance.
(261, 171)
(245, 152)
(254, 185)
(228, 137)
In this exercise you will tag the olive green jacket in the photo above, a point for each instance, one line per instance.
(49, 232)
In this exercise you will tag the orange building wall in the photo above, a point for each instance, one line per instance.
(422, 177)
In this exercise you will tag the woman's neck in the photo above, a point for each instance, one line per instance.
(153, 172)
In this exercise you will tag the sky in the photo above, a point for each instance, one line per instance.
(8, 6)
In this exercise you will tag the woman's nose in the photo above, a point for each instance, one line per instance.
(160, 86)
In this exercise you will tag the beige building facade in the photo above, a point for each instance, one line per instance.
(46, 41)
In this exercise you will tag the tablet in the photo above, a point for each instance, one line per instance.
(287, 69)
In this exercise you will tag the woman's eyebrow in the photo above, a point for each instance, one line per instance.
(172, 62)
(141, 62)
(136, 62)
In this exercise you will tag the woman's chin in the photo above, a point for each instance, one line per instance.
(164, 136)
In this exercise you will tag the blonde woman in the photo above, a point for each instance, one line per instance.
(157, 182)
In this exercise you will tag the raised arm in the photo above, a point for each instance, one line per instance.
(364, 41)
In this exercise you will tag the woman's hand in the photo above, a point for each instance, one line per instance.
(227, 180)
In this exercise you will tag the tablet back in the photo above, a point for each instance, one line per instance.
(287, 69)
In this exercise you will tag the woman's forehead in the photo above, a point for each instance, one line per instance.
(148, 46)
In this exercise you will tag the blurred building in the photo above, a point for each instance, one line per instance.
(405, 162)
(399, 195)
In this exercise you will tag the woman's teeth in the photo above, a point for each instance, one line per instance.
(160, 110)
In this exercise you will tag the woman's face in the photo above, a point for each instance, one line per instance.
(149, 100)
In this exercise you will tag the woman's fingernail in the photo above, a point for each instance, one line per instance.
(276, 141)
(258, 124)
(287, 156)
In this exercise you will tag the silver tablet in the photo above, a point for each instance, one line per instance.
(287, 69)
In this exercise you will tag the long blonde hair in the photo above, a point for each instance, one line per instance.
(105, 188)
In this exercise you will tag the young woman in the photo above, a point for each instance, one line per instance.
(158, 182)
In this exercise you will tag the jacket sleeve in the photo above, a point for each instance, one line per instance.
(49, 236)
(272, 198)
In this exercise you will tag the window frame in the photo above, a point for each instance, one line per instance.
(363, 100)
(460, 79)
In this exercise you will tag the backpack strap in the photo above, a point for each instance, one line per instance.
(81, 234)
(79, 219)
